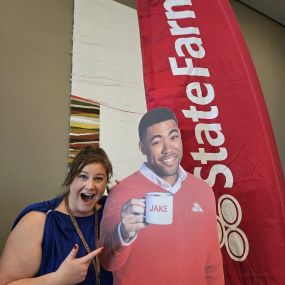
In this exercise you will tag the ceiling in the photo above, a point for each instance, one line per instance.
(273, 9)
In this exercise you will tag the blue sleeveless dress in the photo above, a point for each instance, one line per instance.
(60, 236)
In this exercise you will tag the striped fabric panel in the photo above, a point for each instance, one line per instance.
(84, 125)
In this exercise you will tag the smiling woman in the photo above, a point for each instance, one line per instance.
(61, 235)
(86, 181)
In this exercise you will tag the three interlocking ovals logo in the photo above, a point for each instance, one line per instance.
(228, 220)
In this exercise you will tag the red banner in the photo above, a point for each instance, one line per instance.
(196, 63)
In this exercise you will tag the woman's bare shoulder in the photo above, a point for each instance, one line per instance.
(22, 253)
(31, 219)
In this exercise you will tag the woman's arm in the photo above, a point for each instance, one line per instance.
(22, 257)
(22, 253)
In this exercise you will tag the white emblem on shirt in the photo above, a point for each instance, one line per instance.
(197, 208)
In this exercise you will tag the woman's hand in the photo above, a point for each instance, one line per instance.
(132, 218)
(74, 270)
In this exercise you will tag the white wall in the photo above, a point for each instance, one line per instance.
(107, 68)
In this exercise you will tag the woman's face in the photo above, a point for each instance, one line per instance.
(87, 188)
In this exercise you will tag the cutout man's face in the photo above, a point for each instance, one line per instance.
(163, 147)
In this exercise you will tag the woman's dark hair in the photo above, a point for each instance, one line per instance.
(88, 155)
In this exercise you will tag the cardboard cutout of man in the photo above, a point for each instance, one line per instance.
(184, 252)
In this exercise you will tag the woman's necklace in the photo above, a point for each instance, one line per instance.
(95, 262)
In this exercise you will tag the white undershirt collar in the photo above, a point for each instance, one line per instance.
(150, 175)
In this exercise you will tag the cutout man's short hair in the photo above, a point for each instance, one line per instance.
(155, 116)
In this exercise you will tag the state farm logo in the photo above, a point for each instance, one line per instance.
(228, 219)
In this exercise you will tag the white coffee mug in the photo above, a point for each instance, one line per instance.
(159, 208)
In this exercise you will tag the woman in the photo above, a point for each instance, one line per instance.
(53, 242)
